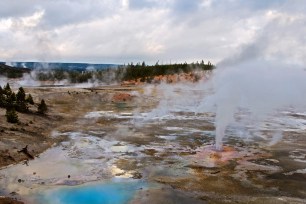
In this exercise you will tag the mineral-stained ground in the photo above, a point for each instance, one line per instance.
(92, 135)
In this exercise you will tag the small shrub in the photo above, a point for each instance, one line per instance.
(29, 99)
(42, 107)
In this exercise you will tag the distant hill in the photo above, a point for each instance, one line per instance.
(63, 66)
(12, 72)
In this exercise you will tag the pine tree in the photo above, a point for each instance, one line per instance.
(10, 101)
(2, 98)
(20, 95)
(11, 116)
(21, 104)
(7, 89)
(29, 99)
(42, 107)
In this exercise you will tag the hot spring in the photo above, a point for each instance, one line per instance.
(154, 150)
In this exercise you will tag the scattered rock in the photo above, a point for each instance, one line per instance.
(13, 193)
(26, 162)
(26, 152)
(137, 175)
(215, 172)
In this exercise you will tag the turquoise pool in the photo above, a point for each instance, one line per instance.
(112, 192)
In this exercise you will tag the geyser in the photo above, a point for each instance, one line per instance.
(260, 88)
(247, 93)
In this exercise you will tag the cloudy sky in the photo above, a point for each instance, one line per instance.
(121, 31)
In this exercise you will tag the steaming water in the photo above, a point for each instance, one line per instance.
(84, 158)
(113, 192)
(91, 157)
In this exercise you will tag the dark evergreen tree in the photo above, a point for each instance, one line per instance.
(2, 98)
(21, 95)
(11, 116)
(10, 101)
(29, 99)
(21, 104)
(42, 107)
(7, 89)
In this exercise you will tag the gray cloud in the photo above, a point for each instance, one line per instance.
(132, 30)
(142, 4)
(62, 13)
(59, 12)
(15, 8)
(185, 6)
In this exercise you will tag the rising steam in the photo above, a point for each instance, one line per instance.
(260, 87)
(262, 79)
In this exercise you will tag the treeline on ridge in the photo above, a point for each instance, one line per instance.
(109, 75)
(75, 76)
(12, 72)
(145, 72)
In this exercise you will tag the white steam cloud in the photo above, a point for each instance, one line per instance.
(264, 77)
(260, 87)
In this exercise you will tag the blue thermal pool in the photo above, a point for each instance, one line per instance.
(108, 192)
